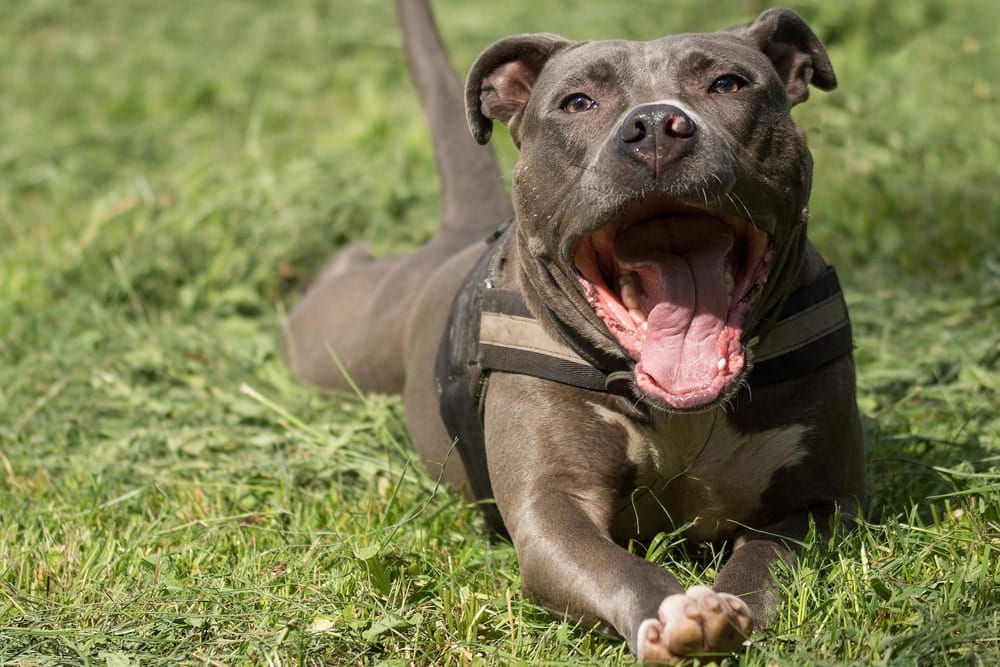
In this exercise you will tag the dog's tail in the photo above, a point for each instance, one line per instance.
(473, 196)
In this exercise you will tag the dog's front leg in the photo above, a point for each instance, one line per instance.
(748, 572)
(558, 470)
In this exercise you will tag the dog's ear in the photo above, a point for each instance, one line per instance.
(796, 52)
(501, 80)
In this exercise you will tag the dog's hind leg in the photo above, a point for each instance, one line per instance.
(473, 197)
(355, 317)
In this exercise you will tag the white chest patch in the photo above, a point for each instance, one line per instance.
(699, 472)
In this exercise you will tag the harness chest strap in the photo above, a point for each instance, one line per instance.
(814, 330)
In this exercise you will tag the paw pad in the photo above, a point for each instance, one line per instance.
(696, 622)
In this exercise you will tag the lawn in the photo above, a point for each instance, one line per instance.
(172, 173)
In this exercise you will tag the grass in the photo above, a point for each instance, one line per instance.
(171, 174)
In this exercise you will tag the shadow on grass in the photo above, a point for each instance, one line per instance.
(906, 470)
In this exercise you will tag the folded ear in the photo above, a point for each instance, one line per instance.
(798, 55)
(502, 78)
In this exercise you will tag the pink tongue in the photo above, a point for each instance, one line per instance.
(680, 267)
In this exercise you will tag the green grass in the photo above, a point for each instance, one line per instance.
(171, 174)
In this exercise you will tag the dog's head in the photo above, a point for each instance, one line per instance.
(661, 189)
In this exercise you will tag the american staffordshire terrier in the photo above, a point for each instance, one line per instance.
(649, 344)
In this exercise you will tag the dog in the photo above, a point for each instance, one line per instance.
(644, 340)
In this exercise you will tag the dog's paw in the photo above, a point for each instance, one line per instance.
(699, 622)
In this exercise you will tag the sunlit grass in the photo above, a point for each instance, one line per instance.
(172, 173)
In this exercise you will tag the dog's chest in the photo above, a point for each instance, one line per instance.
(698, 472)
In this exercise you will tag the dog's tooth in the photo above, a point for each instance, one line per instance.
(729, 280)
(722, 365)
(644, 326)
(637, 315)
(630, 296)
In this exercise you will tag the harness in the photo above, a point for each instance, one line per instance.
(491, 329)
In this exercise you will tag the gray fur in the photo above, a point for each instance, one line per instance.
(577, 474)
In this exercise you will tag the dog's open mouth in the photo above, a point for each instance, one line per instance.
(675, 290)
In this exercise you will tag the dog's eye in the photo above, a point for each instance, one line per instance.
(729, 83)
(578, 102)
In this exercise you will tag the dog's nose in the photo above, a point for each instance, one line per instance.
(648, 120)
(656, 133)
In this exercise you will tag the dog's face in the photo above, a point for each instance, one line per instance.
(661, 190)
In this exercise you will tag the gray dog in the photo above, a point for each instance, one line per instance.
(650, 343)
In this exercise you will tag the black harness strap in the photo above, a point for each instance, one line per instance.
(460, 383)
(813, 331)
